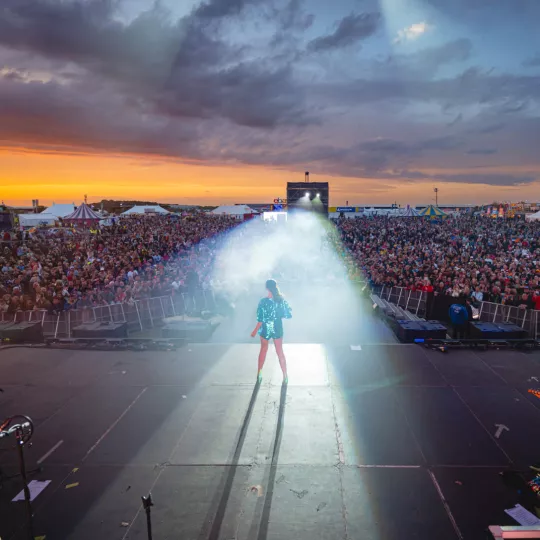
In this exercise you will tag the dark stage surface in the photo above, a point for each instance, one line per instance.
(384, 443)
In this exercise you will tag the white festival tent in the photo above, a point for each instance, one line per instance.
(48, 216)
(60, 210)
(237, 210)
(533, 217)
(150, 209)
(36, 220)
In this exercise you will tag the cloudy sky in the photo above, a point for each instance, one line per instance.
(226, 100)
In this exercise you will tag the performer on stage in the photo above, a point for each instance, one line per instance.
(270, 314)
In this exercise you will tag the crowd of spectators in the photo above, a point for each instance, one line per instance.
(134, 258)
(147, 256)
(482, 258)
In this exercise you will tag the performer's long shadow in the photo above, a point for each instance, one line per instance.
(219, 505)
(261, 516)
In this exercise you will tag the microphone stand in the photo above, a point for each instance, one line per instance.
(147, 505)
(19, 435)
(23, 433)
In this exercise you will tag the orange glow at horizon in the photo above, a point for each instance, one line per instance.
(55, 177)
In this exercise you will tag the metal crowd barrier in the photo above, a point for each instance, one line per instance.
(148, 313)
(140, 315)
(413, 301)
(527, 319)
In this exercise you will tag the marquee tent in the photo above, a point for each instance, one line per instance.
(409, 212)
(35, 220)
(60, 210)
(150, 209)
(238, 211)
(433, 212)
(84, 215)
(48, 217)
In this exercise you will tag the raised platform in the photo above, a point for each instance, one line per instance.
(376, 441)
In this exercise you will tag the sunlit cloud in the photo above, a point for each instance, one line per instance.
(27, 76)
(410, 33)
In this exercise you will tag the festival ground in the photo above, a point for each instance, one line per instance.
(375, 441)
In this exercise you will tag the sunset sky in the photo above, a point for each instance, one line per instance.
(225, 101)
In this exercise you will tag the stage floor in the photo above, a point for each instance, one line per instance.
(381, 442)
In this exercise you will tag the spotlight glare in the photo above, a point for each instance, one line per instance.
(318, 194)
(307, 193)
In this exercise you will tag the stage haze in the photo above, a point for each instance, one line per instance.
(309, 273)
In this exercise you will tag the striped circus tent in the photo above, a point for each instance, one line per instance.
(84, 215)
(409, 212)
(433, 212)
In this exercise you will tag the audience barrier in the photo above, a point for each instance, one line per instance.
(415, 301)
(140, 315)
(527, 319)
(145, 314)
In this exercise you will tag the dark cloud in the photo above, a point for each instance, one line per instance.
(458, 50)
(387, 146)
(214, 9)
(183, 68)
(371, 158)
(89, 116)
(448, 142)
(425, 62)
(488, 179)
(473, 86)
(514, 107)
(491, 128)
(456, 120)
(397, 147)
(350, 30)
(482, 151)
(464, 9)
(532, 62)
(247, 94)
(77, 29)
(292, 16)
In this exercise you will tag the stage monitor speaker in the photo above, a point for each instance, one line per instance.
(409, 331)
(101, 330)
(310, 196)
(512, 331)
(192, 331)
(488, 330)
(23, 332)
(3, 327)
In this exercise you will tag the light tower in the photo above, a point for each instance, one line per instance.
(436, 190)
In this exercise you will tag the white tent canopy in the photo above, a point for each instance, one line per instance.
(60, 210)
(234, 210)
(35, 220)
(150, 209)
(409, 211)
(533, 217)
